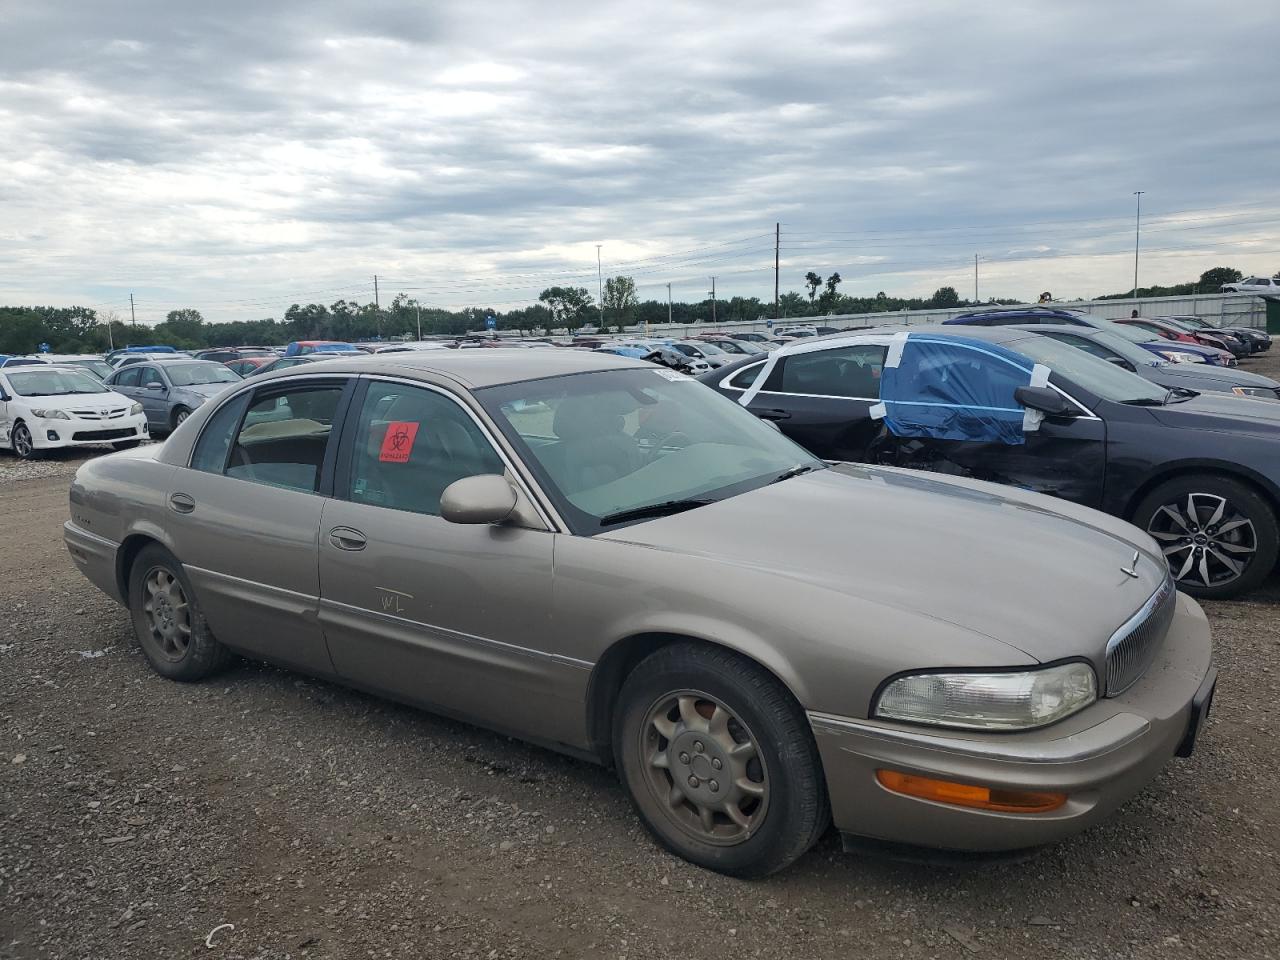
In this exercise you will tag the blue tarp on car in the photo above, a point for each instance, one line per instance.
(955, 388)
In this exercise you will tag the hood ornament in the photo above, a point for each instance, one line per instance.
(1132, 569)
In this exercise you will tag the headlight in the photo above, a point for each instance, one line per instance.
(135, 410)
(990, 701)
(1266, 393)
(50, 414)
(1177, 356)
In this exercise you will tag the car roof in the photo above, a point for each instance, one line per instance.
(482, 368)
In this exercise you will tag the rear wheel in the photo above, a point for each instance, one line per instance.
(719, 761)
(1219, 536)
(23, 445)
(167, 619)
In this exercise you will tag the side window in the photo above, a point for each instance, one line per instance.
(211, 449)
(283, 437)
(149, 375)
(410, 443)
(129, 377)
(1085, 344)
(852, 371)
(745, 377)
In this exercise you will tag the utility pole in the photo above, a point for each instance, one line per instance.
(377, 304)
(133, 319)
(668, 304)
(777, 242)
(713, 301)
(419, 309)
(975, 279)
(1137, 229)
(600, 285)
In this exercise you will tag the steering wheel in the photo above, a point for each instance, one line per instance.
(656, 450)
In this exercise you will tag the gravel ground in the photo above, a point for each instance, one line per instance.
(137, 816)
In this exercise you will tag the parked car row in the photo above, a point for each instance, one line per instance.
(611, 559)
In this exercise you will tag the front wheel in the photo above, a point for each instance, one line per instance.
(180, 414)
(23, 446)
(1218, 535)
(719, 761)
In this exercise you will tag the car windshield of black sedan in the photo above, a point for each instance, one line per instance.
(615, 442)
(53, 383)
(1100, 378)
(195, 374)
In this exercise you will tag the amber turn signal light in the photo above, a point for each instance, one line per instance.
(970, 795)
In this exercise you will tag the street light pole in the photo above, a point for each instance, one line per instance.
(419, 308)
(975, 279)
(1137, 230)
(600, 285)
(668, 303)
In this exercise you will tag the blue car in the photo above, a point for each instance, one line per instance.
(300, 348)
(1165, 349)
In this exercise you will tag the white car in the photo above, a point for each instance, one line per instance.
(45, 406)
(91, 362)
(1254, 285)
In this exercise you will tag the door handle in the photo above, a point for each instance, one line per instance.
(181, 503)
(772, 414)
(345, 538)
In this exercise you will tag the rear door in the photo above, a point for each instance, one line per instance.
(245, 516)
(821, 398)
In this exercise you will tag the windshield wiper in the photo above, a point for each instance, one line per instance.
(1179, 394)
(1147, 402)
(663, 509)
(795, 471)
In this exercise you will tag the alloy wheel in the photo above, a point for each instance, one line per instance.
(1206, 539)
(168, 613)
(704, 768)
(181, 416)
(22, 442)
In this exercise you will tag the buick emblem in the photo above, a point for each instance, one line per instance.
(1132, 569)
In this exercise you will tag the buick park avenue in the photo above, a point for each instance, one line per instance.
(613, 560)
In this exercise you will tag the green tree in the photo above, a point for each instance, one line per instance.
(792, 304)
(811, 283)
(944, 297)
(1211, 281)
(569, 306)
(620, 300)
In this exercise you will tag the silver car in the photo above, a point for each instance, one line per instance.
(169, 390)
(608, 558)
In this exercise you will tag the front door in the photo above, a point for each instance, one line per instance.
(153, 394)
(449, 616)
(245, 515)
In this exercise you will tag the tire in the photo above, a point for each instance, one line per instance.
(24, 448)
(1214, 525)
(681, 689)
(179, 415)
(125, 444)
(187, 655)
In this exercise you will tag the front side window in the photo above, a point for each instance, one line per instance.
(148, 376)
(283, 437)
(410, 444)
(128, 377)
(52, 383)
(851, 371)
(609, 443)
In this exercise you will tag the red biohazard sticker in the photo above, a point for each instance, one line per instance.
(398, 442)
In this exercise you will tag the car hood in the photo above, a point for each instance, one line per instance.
(80, 401)
(1213, 378)
(205, 390)
(1041, 575)
(1223, 413)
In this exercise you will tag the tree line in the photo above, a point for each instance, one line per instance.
(83, 329)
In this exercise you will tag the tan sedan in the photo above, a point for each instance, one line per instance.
(610, 559)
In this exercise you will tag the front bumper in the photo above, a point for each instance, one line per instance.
(1100, 757)
(77, 432)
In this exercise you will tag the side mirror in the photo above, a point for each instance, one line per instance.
(1045, 399)
(155, 385)
(485, 498)
(1122, 362)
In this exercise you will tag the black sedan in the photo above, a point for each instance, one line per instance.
(1175, 376)
(1200, 472)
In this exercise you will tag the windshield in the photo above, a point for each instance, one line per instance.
(1100, 378)
(99, 368)
(1119, 346)
(195, 374)
(1130, 333)
(710, 349)
(53, 383)
(613, 441)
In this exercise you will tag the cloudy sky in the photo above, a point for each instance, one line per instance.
(239, 156)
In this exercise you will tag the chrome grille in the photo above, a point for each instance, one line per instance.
(1132, 648)
(100, 414)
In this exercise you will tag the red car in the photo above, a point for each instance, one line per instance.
(246, 365)
(1169, 332)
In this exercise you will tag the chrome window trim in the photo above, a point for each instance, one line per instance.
(546, 512)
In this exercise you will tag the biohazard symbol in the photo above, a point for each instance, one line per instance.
(397, 443)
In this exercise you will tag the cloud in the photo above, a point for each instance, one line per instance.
(240, 156)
